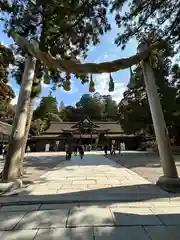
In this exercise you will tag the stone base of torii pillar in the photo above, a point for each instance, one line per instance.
(171, 185)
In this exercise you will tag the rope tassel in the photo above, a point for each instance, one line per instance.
(111, 84)
(91, 85)
(47, 77)
(132, 79)
(67, 83)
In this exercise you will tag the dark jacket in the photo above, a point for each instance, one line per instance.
(81, 151)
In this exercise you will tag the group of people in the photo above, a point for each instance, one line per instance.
(112, 149)
(76, 149)
(81, 148)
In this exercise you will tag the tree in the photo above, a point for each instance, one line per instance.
(71, 114)
(134, 108)
(175, 82)
(154, 18)
(110, 108)
(6, 110)
(38, 126)
(90, 106)
(5, 6)
(96, 107)
(6, 92)
(61, 106)
(85, 22)
(6, 58)
(11, 168)
(47, 106)
(46, 111)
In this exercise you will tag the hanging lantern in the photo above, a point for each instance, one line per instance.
(67, 83)
(91, 85)
(111, 84)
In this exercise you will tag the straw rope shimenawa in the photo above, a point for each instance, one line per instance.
(73, 66)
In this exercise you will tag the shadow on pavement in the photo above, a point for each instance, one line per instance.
(116, 194)
(132, 160)
(91, 223)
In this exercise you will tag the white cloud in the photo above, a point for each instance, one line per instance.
(102, 85)
(14, 101)
(45, 85)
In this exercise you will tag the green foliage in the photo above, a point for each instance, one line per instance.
(36, 87)
(6, 58)
(6, 92)
(54, 117)
(38, 126)
(110, 108)
(158, 19)
(96, 107)
(47, 106)
(90, 106)
(46, 111)
(7, 111)
(70, 114)
(134, 109)
(65, 29)
(5, 7)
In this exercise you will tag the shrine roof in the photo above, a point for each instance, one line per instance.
(60, 127)
(5, 128)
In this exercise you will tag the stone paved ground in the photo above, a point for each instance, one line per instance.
(108, 202)
(94, 175)
(146, 165)
(36, 164)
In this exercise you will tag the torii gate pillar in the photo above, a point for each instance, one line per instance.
(170, 181)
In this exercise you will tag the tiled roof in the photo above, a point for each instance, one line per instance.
(57, 127)
(5, 128)
(112, 126)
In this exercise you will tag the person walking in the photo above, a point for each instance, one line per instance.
(66, 150)
(105, 149)
(75, 150)
(69, 153)
(113, 149)
(81, 151)
(120, 148)
(89, 147)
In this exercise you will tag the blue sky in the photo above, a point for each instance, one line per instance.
(105, 51)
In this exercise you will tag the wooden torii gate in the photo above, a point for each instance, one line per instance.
(170, 178)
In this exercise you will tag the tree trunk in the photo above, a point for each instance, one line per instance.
(25, 139)
(13, 157)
